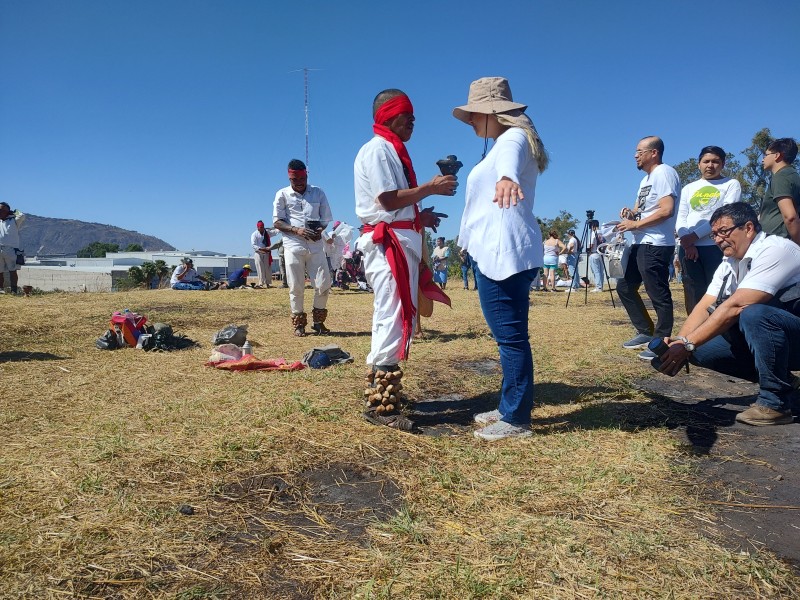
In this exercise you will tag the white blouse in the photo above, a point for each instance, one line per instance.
(503, 242)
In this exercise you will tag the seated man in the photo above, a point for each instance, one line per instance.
(237, 279)
(747, 323)
(184, 277)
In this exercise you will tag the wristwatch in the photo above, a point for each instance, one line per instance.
(686, 343)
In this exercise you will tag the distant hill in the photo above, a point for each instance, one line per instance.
(43, 235)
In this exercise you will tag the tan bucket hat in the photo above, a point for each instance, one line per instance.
(488, 95)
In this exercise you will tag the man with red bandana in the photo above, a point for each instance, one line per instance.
(387, 194)
(301, 213)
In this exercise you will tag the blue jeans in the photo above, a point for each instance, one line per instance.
(572, 267)
(596, 263)
(505, 307)
(766, 346)
(189, 285)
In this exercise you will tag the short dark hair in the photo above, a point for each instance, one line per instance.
(716, 150)
(5, 204)
(383, 96)
(439, 238)
(787, 147)
(654, 143)
(738, 212)
(297, 165)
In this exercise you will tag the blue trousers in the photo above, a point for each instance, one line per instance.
(190, 285)
(596, 263)
(505, 307)
(765, 347)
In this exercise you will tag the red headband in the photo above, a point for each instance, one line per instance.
(298, 172)
(391, 108)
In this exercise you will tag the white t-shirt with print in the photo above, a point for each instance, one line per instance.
(699, 200)
(662, 181)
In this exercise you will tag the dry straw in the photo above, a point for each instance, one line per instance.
(293, 495)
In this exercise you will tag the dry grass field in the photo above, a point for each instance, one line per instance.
(130, 474)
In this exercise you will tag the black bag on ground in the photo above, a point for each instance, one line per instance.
(108, 341)
(230, 334)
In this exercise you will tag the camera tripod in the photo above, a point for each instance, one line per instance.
(586, 246)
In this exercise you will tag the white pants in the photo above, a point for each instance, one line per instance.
(8, 259)
(298, 262)
(387, 319)
(262, 268)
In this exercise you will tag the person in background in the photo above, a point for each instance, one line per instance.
(10, 221)
(506, 244)
(698, 255)
(237, 279)
(595, 258)
(439, 258)
(262, 256)
(301, 213)
(466, 265)
(573, 257)
(553, 250)
(780, 209)
(185, 277)
(652, 223)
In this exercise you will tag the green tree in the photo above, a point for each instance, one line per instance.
(137, 276)
(150, 271)
(134, 248)
(162, 270)
(97, 250)
(561, 224)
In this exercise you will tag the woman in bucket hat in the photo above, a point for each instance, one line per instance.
(505, 244)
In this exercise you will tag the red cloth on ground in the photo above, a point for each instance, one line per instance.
(250, 363)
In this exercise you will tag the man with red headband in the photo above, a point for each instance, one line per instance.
(387, 194)
(301, 213)
(262, 256)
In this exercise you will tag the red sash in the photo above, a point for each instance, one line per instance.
(383, 234)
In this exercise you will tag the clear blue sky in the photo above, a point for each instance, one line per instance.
(177, 118)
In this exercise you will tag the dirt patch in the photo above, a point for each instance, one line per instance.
(752, 473)
(337, 502)
(483, 367)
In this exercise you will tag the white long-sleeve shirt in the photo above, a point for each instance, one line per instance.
(503, 242)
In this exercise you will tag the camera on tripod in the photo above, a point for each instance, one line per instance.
(592, 222)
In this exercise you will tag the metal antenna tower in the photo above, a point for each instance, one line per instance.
(305, 71)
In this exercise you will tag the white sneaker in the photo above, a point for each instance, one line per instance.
(487, 418)
(501, 430)
(596, 290)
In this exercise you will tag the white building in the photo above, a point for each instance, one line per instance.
(104, 274)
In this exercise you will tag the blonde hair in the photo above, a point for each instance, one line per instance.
(517, 118)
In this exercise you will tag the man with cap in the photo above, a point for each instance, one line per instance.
(262, 258)
(573, 255)
(185, 277)
(387, 197)
(9, 245)
(301, 213)
(237, 279)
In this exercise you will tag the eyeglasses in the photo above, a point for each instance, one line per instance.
(638, 152)
(724, 233)
(769, 153)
